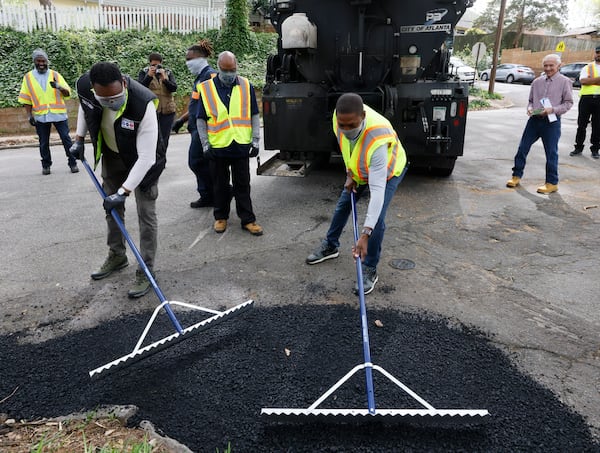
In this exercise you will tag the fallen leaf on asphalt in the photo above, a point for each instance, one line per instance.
(378, 323)
(287, 352)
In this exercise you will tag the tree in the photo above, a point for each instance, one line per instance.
(46, 3)
(586, 12)
(524, 15)
(236, 35)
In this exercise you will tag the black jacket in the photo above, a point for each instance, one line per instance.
(137, 102)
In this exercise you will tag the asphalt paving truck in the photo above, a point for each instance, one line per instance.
(393, 53)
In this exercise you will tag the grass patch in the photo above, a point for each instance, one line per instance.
(483, 94)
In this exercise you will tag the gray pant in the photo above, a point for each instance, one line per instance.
(114, 174)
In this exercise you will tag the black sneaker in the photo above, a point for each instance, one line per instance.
(74, 168)
(46, 171)
(576, 152)
(370, 277)
(595, 155)
(324, 252)
(201, 203)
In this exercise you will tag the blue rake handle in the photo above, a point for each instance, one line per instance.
(135, 251)
(363, 316)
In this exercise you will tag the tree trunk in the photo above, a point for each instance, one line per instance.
(46, 3)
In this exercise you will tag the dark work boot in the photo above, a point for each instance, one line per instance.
(113, 263)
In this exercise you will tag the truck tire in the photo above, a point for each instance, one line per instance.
(444, 169)
(484, 76)
(434, 166)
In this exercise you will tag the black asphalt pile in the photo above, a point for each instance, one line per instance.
(208, 391)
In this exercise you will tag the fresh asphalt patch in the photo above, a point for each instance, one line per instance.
(208, 391)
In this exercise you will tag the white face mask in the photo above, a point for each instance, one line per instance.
(352, 134)
(196, 65)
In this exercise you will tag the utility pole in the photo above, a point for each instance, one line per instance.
(497, 45)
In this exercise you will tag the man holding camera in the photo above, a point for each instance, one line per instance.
(162, 83)
(43, 93)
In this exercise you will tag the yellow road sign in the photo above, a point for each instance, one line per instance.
(561, 47)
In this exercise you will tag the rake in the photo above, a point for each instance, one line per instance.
(371, 413)
(140, 352)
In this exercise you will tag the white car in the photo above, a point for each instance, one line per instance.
(460, 69)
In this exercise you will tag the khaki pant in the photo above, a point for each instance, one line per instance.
(114, 174)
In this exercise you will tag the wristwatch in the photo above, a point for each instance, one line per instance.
(366, 231)
(121, 192)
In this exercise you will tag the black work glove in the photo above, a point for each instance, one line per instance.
(53, 84)
(31, 120)
(254, 151)
(209, 153)
(76, 151)
(177, 125)
(114, 201)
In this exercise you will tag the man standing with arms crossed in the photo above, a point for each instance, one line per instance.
(589, 107)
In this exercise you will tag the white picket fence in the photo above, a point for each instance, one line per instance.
(174, 19)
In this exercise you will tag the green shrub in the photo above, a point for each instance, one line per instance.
(73, 52)
(484, 94)
(477, 104)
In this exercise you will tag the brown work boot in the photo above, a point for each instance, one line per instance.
(547, 188)
(220, 225)
(254, 228)
(513, 182)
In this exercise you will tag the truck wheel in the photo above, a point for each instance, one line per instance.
(444, 169)
(484, 76)
(510, 78)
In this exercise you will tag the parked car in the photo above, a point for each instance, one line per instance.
(460, 69)
(510, 72)
(572, 71)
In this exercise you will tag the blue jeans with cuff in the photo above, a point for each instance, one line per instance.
(539, 127)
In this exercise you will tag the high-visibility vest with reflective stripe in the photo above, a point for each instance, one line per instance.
(590, 89)
(225, 126)
(42, 102)
(378, 132)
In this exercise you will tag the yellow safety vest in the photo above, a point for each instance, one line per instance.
(225, 126)
(378, 132)
(590, 89)
(42, 102)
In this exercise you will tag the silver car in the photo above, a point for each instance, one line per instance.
(509, 73)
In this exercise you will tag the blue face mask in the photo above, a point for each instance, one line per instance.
(196, 65)
(227, 77)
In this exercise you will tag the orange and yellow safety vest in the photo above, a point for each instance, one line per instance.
(43, 101)
(224, 126)
(378, 132)
(590, 89)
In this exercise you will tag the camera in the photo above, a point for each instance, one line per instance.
(158, 66)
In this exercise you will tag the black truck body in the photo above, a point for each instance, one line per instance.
(393, 53)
